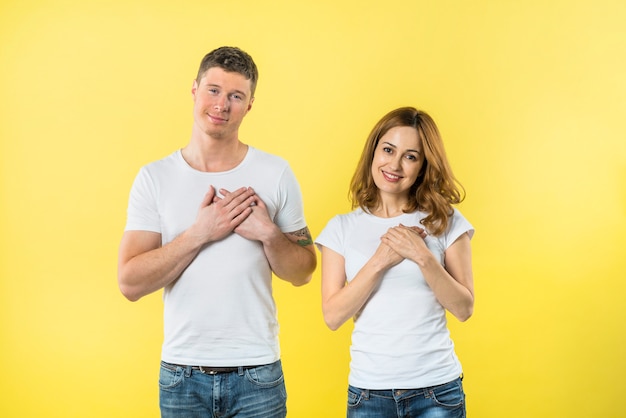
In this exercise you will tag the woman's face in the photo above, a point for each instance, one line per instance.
(397, 161)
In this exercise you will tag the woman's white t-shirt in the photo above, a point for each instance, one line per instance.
(400, 338)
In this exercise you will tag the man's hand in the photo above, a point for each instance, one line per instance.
(289, 257)
(218, 217)
(257, 226)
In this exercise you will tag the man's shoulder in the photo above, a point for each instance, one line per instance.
(267, 161)
(171, 160)
(160, 170)
(264, 156)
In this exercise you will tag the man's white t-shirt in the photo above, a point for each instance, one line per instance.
(220, 311)
(400, 338)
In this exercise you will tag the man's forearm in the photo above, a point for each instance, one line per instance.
(149, 271)
(292, 257)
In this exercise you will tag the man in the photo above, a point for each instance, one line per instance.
(209, 224)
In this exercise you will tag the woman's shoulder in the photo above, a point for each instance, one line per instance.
(341, 220)
(459, 224)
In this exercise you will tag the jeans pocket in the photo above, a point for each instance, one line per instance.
(266, 376)
(450, 395)
(170, 378)
(355, 396)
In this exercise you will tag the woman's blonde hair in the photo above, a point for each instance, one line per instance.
(435, 190)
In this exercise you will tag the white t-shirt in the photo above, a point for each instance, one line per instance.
(220, 311)
(400, 338)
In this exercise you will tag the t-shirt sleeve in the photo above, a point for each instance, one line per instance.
(142, 213)
(458, 226)
(290, 214)
(331, 236)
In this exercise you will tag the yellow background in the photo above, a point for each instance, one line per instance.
(530, 98)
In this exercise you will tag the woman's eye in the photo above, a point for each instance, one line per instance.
(387, 149)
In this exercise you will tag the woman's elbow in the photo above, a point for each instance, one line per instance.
(333, 326)
(464, 314)
(332, 322)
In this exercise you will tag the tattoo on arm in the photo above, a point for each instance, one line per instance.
(304, 236)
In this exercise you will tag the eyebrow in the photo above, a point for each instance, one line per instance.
(410, 150)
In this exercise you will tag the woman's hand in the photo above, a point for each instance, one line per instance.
(407, 241)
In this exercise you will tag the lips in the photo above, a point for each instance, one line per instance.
(391, 177)
(217, 119)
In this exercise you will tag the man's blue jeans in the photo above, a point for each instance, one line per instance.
(258, 392)
(443, 401)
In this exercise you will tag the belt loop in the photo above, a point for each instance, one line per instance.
(187, 371)
(240, 370)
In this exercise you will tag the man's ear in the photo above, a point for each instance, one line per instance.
(194, 88)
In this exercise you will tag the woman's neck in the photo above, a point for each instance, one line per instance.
(390, 208)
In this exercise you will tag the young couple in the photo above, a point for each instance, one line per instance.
(211, 223)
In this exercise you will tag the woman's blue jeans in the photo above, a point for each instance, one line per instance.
(443, 401)
(257, 392)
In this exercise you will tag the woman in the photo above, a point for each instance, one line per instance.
(396, 264)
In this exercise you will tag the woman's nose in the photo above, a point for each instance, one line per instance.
(395, 163)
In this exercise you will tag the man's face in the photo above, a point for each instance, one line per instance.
(221, 100)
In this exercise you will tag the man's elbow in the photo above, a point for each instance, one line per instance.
(301, 282)
(129, 291)
(307, 273)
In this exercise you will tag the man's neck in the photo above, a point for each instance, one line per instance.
(214, 155)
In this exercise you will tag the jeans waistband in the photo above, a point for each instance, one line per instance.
(208, 369)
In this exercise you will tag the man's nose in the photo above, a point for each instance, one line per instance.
(222, 103)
